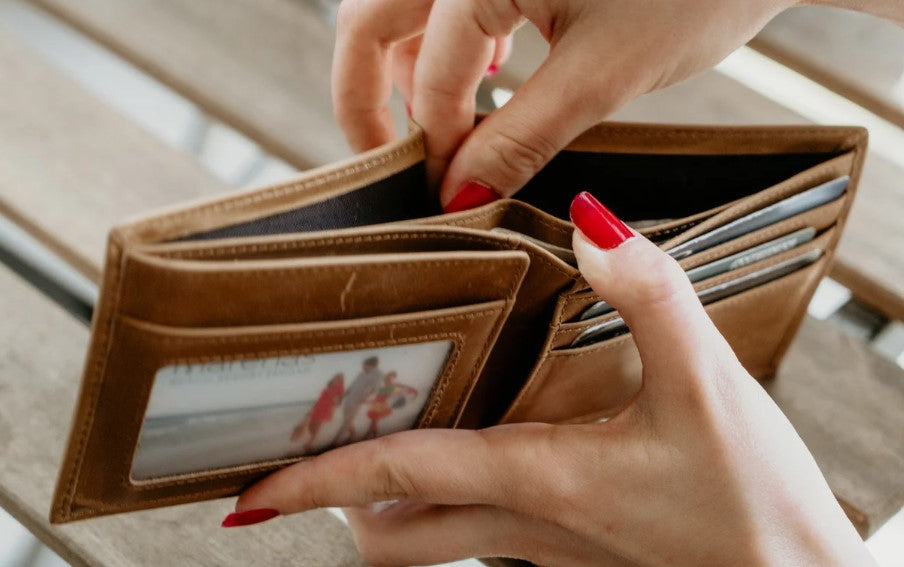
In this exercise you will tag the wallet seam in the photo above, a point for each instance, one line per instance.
(98, 366)
(293, 245)
(267, 272)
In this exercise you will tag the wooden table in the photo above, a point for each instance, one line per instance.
(71, 168)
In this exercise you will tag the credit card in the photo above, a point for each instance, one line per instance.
(733, 262)
(784, 209)
(614, 327)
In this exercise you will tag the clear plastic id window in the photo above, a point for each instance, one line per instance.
(209, 416)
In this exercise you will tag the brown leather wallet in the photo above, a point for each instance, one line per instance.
(222, 321)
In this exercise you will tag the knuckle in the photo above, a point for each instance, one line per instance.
(521, 154)
(657, 278)
(392, 480)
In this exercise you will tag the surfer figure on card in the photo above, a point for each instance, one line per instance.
(322, 412)
(358, 392)
(390, 396)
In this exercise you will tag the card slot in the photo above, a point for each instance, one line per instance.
(223, 293)
(813, 177)
(594, 382)
(226, 410)
(578, 303)
(398, 239)
(820, 218)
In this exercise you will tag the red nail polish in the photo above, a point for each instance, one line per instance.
(492, 70)
(598, 223)
(249, 517)
(471, 195)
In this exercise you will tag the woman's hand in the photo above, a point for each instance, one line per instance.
(603, 54)
(700, 469)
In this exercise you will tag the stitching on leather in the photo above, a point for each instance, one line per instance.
(766, 234)
(94, 383)
(254, 337)
(720, 133)
(294, 245)
(550, 353)
(756, 202)
(265, 273)
(279, 191)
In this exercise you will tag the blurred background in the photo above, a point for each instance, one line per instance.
(241, 88)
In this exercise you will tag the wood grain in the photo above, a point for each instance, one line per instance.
(846, 402)
(71, 167)
(261, 66)
(858, 56)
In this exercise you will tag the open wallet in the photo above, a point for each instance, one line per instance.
(240, 334)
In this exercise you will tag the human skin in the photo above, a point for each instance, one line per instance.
(701, 468)
(603, 54)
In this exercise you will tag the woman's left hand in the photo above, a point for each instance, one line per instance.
(700, 469)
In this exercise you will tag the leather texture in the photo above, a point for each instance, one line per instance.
(358, 253)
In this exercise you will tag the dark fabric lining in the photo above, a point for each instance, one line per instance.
(402, 196)
(634, 186)
(640, 187)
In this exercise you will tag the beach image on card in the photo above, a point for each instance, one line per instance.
(210, 416)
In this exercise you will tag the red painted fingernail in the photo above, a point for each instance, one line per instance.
(471, 195)
(249, 517)
(492, 70)
(598, 223)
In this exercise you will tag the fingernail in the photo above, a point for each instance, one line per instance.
(492, 70)
(249, 517)
(598, 223)
(471, 195)
(408, 109)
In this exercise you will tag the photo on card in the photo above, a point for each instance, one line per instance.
(211, 416)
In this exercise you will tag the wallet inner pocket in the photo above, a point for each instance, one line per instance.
(595, 381)
(191, 293)
(643, 187)
(637, 187)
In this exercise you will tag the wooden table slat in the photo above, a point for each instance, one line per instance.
(261, 66)
(859, 56)
(71, 167)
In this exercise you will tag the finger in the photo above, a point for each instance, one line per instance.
(412, 534)
(546, 113)
(362, 74)
(673, 333)
(501, 54)
(458, 48)
(404, 56)
(435, 466)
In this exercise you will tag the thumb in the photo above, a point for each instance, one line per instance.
(513, 143)
(673, 333)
